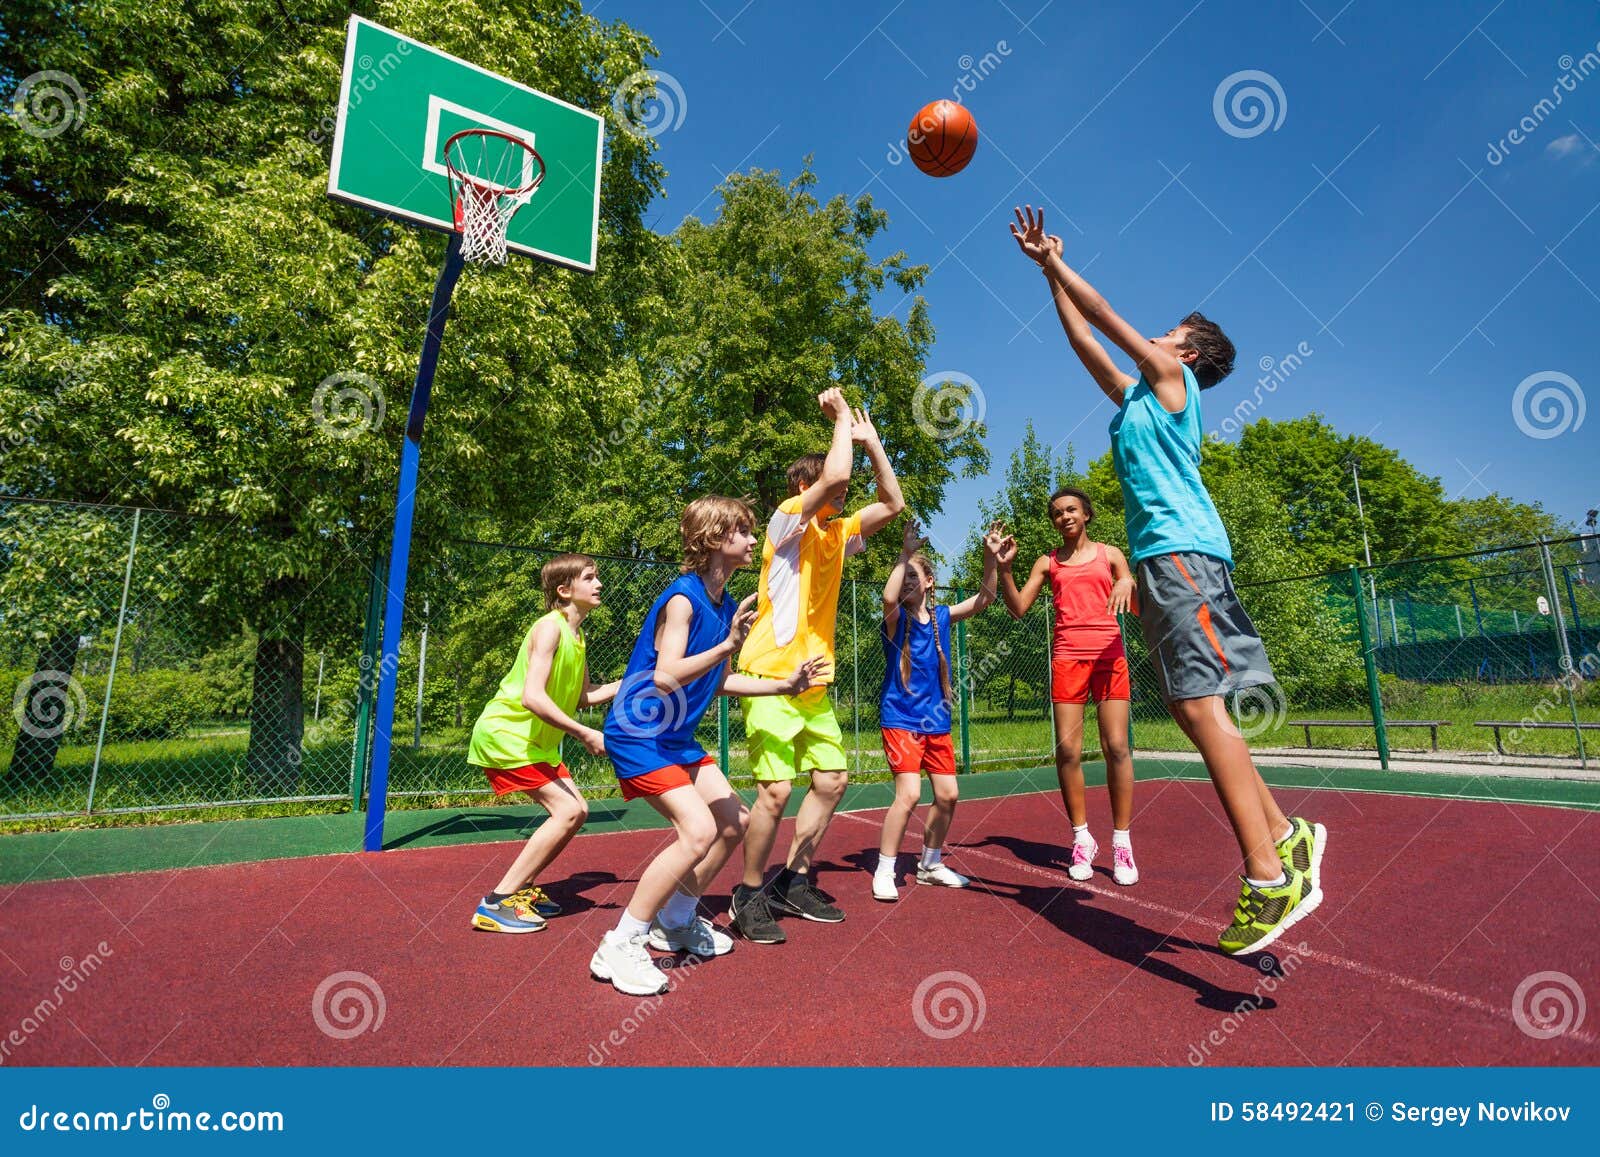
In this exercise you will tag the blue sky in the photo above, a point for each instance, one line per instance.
(1369, 225)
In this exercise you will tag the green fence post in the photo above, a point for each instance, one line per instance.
(365, 682)
(1374, 699)
(722, 732)
(1563, 651)
(964, 694)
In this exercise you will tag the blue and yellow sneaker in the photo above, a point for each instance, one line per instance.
(1264, 914)
(513, 914)
(536, 899)
(1302, 849)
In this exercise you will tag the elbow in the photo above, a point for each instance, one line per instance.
(895, 503)
(663, 682)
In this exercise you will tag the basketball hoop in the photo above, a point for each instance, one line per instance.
(492, 175)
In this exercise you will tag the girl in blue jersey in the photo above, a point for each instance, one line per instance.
(914, 707)
(678, 666)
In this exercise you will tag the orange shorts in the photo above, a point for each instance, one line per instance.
(531, 777)
(914, 751)
(662, 779)
(1079, 680)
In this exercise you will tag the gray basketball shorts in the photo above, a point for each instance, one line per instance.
(1200, 639)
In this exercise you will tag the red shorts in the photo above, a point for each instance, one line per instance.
(1079, 680)
(662, 779)
(914, 751)
(533, 776)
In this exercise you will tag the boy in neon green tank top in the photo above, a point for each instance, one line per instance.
(517, 739)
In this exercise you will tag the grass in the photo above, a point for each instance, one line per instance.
(181, 775)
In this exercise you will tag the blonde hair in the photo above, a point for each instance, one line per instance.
(926, 569)
(563, 570)
(706, 524)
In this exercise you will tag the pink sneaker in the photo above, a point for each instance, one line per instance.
(1123, 870)
(1083, 854)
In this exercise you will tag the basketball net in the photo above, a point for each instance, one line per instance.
(489, 182)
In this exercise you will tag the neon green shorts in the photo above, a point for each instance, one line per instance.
(789, 734)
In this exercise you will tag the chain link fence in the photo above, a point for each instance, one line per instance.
(146, 674)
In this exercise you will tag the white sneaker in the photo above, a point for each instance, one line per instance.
(1123, 870)
(1083, 854)
(883, 887)
(942, 875)
(623, 961)
(698, 938)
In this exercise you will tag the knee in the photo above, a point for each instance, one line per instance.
(571, 814)
(1069, 755)
(829, 785)
(945, 797)
(774, 797)
(732, 821)
(1116, 750)
(907, 792)
(698, 836)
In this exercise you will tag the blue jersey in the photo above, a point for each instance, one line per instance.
(920, 704)
(1157, 458)
(647, 729)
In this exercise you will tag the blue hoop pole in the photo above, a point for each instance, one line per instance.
(400, 554)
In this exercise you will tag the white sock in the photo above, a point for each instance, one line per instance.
(1121, 838)
(885, 865)
(1278, 883)
(931, 857)
(1080, 834)
(1289, 831)
(628, 927)
(679, 911)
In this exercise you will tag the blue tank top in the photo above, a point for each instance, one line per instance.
(919, 706)
(1157, 459)
(647, 729)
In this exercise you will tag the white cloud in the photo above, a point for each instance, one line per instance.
(1564, 146)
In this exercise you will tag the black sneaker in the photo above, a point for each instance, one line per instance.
(752, 916)
(826, 897)
(800, 898)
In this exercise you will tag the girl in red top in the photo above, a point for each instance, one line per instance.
(1090, 584)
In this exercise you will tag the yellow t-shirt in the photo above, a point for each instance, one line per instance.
(802, 565)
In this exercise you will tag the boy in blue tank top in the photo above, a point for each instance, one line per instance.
(1202, 643)
(678, 666)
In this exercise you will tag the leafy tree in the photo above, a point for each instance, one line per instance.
(182, 285)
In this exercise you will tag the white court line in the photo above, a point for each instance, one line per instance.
(1410, 984)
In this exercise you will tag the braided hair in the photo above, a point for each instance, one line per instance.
(922, 564)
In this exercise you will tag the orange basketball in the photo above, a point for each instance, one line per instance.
(942, 138)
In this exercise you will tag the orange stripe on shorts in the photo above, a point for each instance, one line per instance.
(1204, 615)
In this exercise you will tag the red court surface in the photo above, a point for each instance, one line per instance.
(1436, 912)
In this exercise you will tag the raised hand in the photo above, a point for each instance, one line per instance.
(861, 428)
(833, 404)
(913, 540)
(743, 619)
(1055, 245)
(1006, 552)
(1031, 238)
(992, 539)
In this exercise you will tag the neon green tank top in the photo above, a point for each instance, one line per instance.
(507, 734)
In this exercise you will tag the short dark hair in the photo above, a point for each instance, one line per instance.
(561, 571)
(1216, 352)
(1073, 492)
(806, 470)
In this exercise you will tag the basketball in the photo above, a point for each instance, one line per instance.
(942, 138)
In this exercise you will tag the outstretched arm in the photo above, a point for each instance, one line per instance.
(1111, 380)
(909, 545)
(536, 697)
(1018, 602)
(1160, 368)
(890, 502)
(987, 586)
(836, 466)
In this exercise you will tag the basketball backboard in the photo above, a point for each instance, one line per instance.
(401, 100)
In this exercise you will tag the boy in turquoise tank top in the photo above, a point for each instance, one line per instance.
(1201, 642)
(517, 739)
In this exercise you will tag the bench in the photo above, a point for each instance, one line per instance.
(1520, 725)
(1432, 725)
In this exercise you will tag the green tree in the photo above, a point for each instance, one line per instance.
(754, 314)
(183, 285)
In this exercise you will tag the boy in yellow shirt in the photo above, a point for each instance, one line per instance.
(802, 565)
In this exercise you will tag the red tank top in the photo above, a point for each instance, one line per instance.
(1084, 628)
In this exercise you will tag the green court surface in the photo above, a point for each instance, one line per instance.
(35, 856)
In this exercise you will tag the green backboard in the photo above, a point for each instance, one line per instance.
(399, 103)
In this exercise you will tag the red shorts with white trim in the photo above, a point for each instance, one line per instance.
(917, 751)
(529, 777)
(662, 779)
